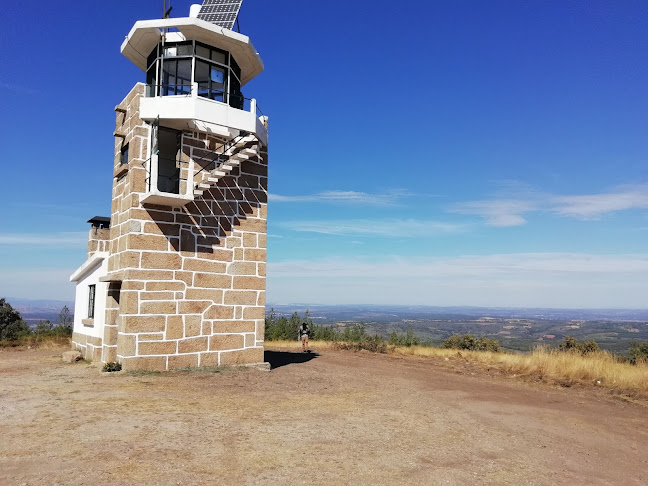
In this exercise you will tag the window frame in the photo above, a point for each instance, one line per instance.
(164, 59)
(175, 186)
(124, 155)
(92, 295)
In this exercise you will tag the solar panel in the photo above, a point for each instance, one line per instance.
(220, 12)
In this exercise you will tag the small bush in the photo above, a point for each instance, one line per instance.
(639, 352)
(375, 344)
(112, 366)
(571, 344)
(12, 326)
(408, 339)
(323, 333)
(280, 328)
(470, 342)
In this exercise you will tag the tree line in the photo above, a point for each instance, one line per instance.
(13, 329)
(281, 328)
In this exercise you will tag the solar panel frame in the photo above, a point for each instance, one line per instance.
(220, 12)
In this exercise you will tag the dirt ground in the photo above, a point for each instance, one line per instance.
(337, 418)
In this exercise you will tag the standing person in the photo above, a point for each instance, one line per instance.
(304, 332)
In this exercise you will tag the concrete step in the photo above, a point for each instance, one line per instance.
(198, 193)
(217, 173)
(202, 185)
(245, 141)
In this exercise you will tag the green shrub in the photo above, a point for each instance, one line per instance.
(573, 345)
(45, 329)
(639, 352)
(471, 343)
(280, 328)
(324, 333)
(354, 334)
(375, 344)
(408, 339)
(12, 327)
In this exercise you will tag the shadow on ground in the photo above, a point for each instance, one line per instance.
(278, 359)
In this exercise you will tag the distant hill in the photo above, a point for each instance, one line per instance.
(387, 312)
(33, 311)
(515, 329)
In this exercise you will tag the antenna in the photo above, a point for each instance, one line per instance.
(166, 13)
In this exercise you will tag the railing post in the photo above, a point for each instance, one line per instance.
(194, 90)
(253, 106)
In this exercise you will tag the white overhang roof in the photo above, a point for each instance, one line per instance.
(146, 34)
(89, 265)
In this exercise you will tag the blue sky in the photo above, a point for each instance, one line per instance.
(422, 152)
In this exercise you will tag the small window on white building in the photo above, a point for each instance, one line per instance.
(91, 301)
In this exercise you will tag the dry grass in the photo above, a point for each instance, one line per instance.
(39, 342)
(296, 345)
(600, 368)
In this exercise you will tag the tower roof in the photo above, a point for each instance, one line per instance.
(146, 34)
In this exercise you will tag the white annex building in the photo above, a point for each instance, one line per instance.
(175, 277)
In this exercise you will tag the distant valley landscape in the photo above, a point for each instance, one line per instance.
(517, 329)
(33, 311)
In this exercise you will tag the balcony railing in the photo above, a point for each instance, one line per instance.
(195, 90)
(169, 184)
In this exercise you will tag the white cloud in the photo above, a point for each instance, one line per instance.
(344, 197)
(594, 206)
(497, 212)
(517, 280)
(402, 228)
(72, 239)
(513, 211)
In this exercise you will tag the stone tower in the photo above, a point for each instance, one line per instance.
(180, 280)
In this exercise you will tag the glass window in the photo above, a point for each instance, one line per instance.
(202, 72)
(152, 57)
(151, 80)
(184, 76)
(91, 300)
(218, 56)
(202, 51)
(169, 147)
(176, 77)
(235, 96)
(216, 72)
(123, 159)
(217, 76)
(185, 50)
(235, 67)
(202, 78)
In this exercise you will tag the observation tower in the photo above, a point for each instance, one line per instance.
(175, 278)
